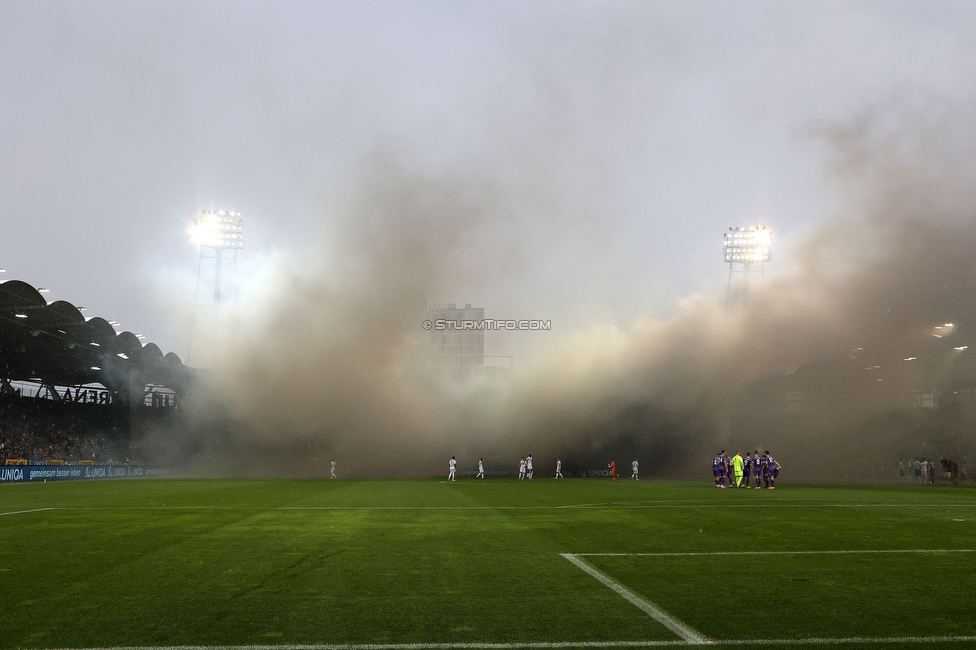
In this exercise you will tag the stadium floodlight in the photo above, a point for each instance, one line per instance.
(213, 229)
(962, 347)
(218, 230)
(745, 245)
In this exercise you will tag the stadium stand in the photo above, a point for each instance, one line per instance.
(72, 390)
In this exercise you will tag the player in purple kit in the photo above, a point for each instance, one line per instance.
(747, 464)
(764, 468)
(719, 469)
(774, 468)
(756, 468)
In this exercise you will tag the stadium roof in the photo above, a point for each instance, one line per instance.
(53, 343)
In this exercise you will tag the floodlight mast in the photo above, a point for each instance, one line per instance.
(746, 246)
(218, 231)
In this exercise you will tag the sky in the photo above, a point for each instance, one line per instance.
(619, 139)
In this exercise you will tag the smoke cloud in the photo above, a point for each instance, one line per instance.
(833, 354)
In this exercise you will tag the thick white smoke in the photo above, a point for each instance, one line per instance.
(328, 362)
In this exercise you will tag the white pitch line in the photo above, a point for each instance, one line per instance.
(414, 646)
(841, 552)
(775, 505)
(471, 507)
(853, 639)
(556, 644)
(687, 634)
(22, 512)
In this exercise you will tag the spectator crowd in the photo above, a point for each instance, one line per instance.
(51, 432)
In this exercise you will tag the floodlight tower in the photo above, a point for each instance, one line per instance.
(746, 246)
(218, 231)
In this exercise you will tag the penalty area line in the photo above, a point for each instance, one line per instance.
(853, 639)
(687, 634)
(839, 552)
(24, 512)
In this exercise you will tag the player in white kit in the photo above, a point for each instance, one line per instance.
(481, 468)
(452, 465)
(559, 468)
(528, 467)
(332, 470)
(522, 468)
(634, 466)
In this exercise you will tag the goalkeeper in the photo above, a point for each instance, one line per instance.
(737, 466)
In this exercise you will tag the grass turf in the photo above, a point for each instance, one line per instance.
(229, 562)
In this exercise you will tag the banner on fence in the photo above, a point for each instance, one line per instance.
(23, 474)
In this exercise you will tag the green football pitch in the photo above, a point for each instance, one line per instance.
(484, 564)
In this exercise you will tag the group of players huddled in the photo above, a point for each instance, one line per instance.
(763, 469)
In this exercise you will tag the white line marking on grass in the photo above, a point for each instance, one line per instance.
(687, 634)
(23, 512)
(770, 505)
(470, 507)
(555, 644)
(857, 552)
(415, 646)
(853, 639)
